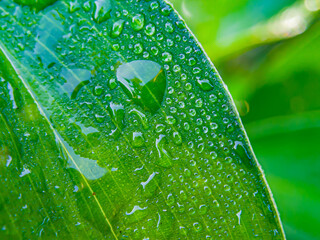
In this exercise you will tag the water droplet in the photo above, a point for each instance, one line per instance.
(166, 10)
(150, 29)
(138, 48)
(97, 91)
(154, 5)
(170, 199)
(117, 28)
(137, 139)
(116, 112)
(170, 120)
(137, 22)
(169, 27)
(197, 227)
(136, 214)
(164, 159)
(203, 209)
(227, 188)
(160, 128)
(101, 10)
(74, 6)
(177, 138)
(36, 4)
(216, 203)
(144, 82)
(151, 184)
(75, 80)
(205, 84)
(86, 6)
(166, 57)
(141, 116)
(243, 154)
(154, 50)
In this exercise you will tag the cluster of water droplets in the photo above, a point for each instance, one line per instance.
(138, 103)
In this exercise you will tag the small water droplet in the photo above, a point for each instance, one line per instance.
(150, 29)
(197, 227)
(166, 57)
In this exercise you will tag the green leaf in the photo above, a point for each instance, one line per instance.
(114, 124)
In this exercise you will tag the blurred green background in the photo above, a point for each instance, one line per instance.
(268, 54)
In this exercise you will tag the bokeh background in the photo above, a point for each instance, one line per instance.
(268, 54)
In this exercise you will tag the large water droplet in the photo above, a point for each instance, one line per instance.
(116, 112)
(75, 80)
(137, 22)
(144, 82)
(205, 84)
(243, 154)
(117, 28)
(141, 116)
(101, 10)
(36, 4)
(165, 159)
(137, 139)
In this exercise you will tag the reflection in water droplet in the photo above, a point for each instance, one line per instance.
(101, 10)
(165, 159)
(144, 82)
(75, 80)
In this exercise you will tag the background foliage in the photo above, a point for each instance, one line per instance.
(268, 53)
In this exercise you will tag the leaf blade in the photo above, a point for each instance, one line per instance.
(119, 194)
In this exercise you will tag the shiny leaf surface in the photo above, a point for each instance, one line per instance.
(114, 124)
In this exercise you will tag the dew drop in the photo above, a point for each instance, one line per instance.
(137, 139)
(116, 112)
(197, 227)
(137, 22)
(243, 154)
(165, 159)
(177, 138)
(144, 82)
(150, 29)
(205, 84)
(166, 57)
(117, 28)
(101, 10)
